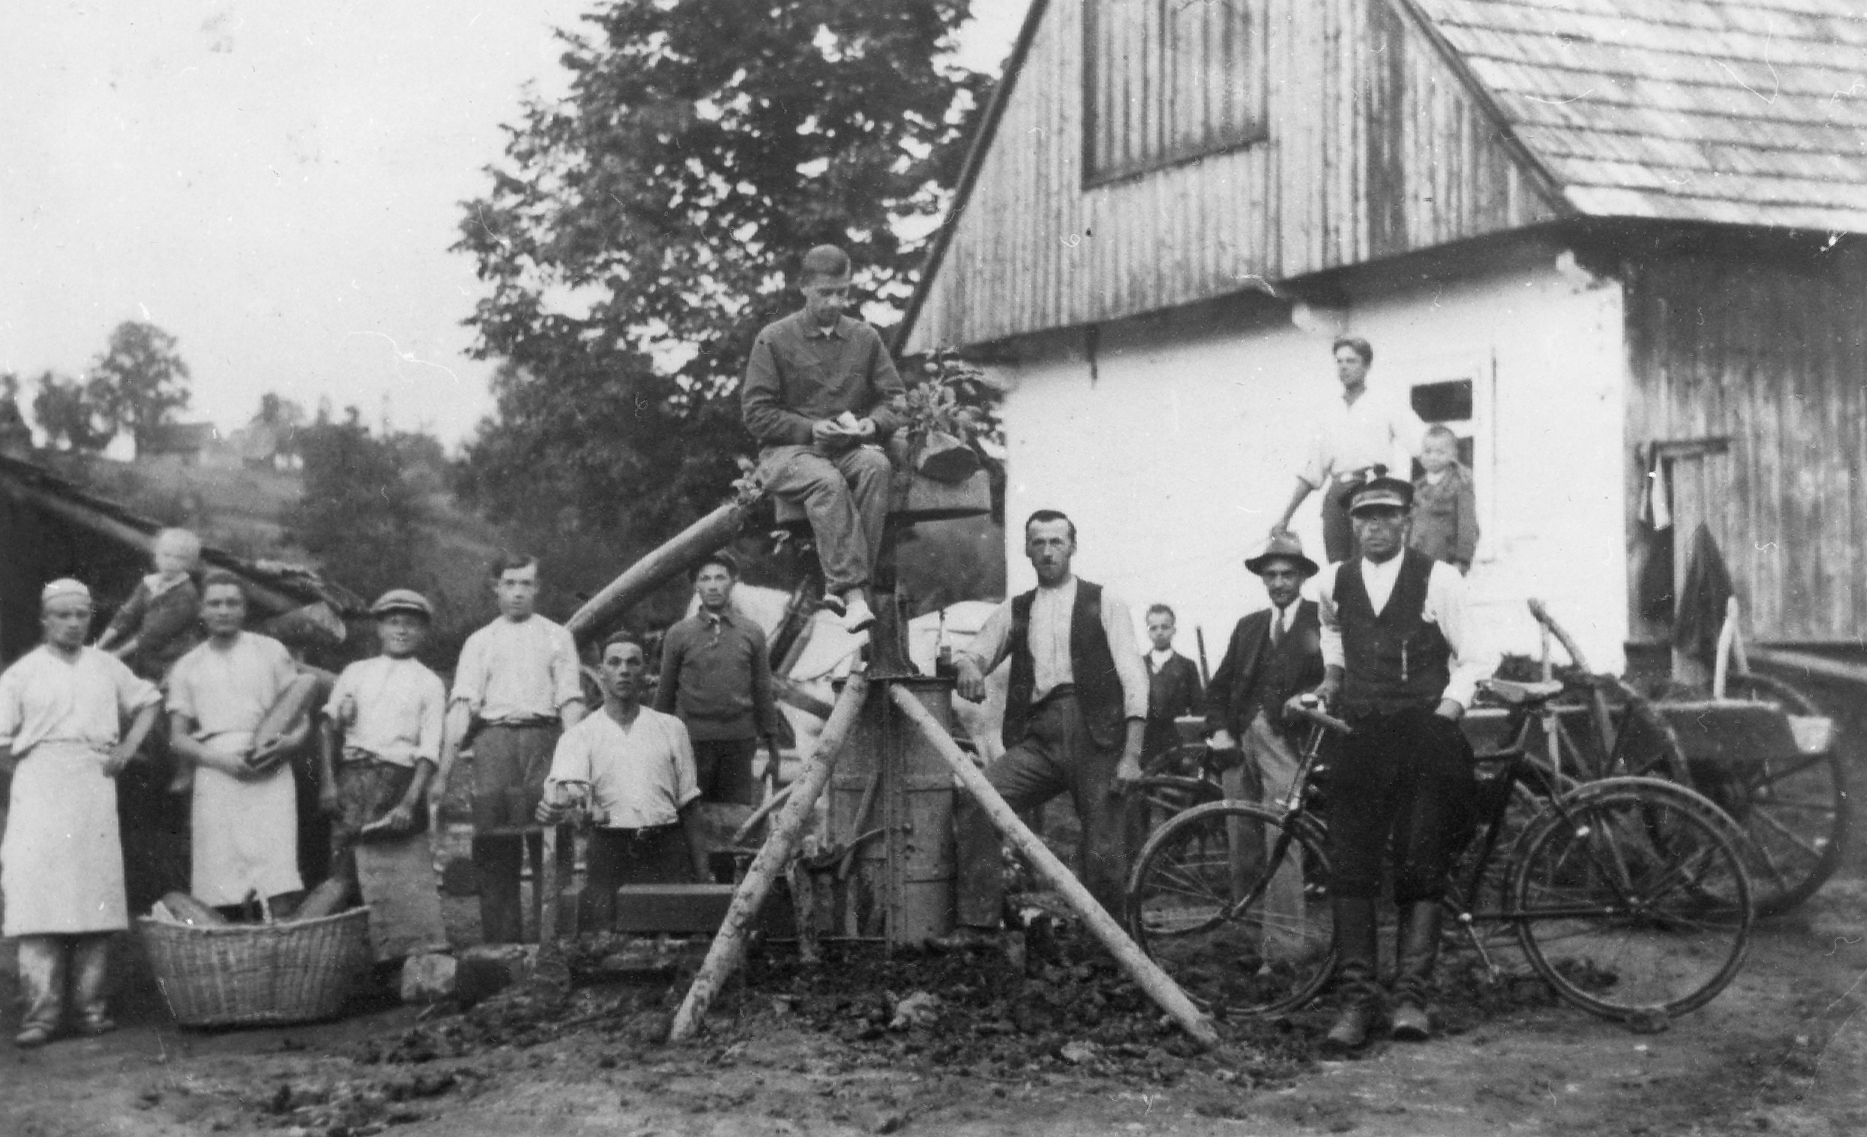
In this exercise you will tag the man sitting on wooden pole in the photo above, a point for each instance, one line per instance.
(820, 395)
(1074, 721)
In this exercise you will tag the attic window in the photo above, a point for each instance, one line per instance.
(1168, 81)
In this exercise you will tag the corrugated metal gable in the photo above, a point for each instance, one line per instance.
(1749, 112)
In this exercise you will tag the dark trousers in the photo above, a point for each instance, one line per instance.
(723, 767)
(1402, 779)
(1338, 535)
(1056, 756)
(509, 768)
(615, 857)
(845, 495)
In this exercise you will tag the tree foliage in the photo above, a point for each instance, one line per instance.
(68, 416)
(139, 381)
(357, 514)
(638, 234)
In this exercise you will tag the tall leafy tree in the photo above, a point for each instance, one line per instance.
(638, 234)
(66, 412)
(139, 381)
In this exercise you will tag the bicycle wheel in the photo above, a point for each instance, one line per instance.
(1217, 898)
(1793, 807)
(1632, 899)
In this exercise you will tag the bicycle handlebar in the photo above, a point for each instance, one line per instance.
(1323, 718)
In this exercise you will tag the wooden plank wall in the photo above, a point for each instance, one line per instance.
(1770, 350)
(1373, 149)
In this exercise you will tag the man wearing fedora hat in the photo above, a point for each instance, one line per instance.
(820, 395)
(1402, 658)
(1275, 653)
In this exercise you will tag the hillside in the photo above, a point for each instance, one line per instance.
(242, 511)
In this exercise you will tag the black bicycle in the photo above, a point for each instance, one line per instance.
(1627, 894)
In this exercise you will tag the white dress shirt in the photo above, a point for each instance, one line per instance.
(396, 708)
(1049, 641)
(515, 670)
(1378, 428)
(1472, 657)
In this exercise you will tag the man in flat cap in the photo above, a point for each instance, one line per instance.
(1402, 658)
(381, 739)
(1274, 653)
(820, 395)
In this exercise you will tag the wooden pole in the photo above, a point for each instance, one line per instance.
(676, 556)
(1145, 972)
(729, 944)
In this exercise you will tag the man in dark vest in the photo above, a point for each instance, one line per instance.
(1075, 715)
(1274, 653)
(1402, 660)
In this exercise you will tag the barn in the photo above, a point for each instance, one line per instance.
(1615, 246)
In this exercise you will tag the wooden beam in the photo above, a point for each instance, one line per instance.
(1808, 662)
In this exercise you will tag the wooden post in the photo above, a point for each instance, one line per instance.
(1145, 972)
(729, 944)
(679, 554)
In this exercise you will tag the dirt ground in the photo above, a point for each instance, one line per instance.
(1060, 1044)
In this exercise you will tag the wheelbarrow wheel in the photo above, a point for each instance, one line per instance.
(1794, 808)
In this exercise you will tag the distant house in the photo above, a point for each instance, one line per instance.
(1596, 239)
(179, 443)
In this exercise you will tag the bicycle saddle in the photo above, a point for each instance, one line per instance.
(1517, 694)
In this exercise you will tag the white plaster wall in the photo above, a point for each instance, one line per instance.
(1175, 460)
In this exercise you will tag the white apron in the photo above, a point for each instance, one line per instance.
(61, 861)
(244, 831)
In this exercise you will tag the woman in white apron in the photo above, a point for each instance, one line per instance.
(61, 862)
(244, 816)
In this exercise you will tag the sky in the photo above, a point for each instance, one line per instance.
(276, 185)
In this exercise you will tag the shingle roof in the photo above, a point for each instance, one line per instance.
(1748, 112)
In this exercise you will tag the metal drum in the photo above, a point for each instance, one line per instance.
(891, 812)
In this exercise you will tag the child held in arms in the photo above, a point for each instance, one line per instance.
(381, 738)
(1445, 510)
(161, 620)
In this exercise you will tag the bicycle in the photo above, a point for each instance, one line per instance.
(1627, 895)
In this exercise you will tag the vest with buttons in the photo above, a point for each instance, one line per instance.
(1092, 669)
(1396, 659)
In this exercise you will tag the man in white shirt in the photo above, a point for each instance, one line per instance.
(630, 770)
(519, 682)
(1368, 427)
(381, 737)
(1402, 660)
(1075, 717)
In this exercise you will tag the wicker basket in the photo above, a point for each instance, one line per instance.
(251, 974)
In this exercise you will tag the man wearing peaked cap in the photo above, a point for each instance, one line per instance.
(1402, 658)
(1273, 654)
(380, 742)
(402, 600)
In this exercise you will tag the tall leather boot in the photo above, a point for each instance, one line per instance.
(1413, 977)
(90, 966)
(42, 988)
(1356, 960)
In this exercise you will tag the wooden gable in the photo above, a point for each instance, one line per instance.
(1372, 144)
